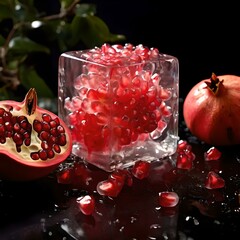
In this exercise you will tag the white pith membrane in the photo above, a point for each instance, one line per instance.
(9, 147)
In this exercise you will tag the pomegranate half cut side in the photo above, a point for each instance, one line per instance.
(33, 141)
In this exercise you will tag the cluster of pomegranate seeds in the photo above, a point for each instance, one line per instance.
(86, 204)
(52, 136)
(119, 101)
(168, 199)
(185, 156)
(50, 132)
(15, 127)
(212, 154)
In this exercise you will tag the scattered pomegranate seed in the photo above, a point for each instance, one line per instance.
(184, 161)
(141, 169)
(212, 154)
(86, 204)
(214, 181)
(110, 188)
(183, 145)
(168, 199)
(65, 176)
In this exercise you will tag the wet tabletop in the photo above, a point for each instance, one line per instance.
(47, 209)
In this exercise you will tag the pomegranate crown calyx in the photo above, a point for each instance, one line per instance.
(30, 101)
(214, 84)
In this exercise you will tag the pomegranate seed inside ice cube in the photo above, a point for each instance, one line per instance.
(212, 154)
(86, 204)
(141, 169)
(214, 181)
(168, 199)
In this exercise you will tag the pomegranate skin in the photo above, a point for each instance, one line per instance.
(18, 166)
(214, 118)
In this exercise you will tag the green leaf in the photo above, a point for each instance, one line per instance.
(29, 78)
(23, 45)
(85, 9)
(92, 31)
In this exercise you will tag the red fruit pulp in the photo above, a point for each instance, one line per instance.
(34, 141)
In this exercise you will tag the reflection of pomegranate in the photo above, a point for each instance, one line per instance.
(33, 141)
(212, 110)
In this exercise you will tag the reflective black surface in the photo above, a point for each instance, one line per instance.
(46, 209)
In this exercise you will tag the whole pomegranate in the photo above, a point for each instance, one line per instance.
(211, 110)
(33, 141)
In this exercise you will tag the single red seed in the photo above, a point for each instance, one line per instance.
(183, 146)
(44, 145)
(56, 148)
(52, 140)
(44, 135)
(16, 127)
(168, 199)
(184, 161)
(65, 176)
(17, 138)
(53, 124)
(212, 154)
(62, 140)
(60, 129)
(50, 153)
(21, 118)
(45, 126)
(27, 141)
(214, 181)
(109, 188)
(42, 154)
(86, 204)
(54, 132)
(7, 116)
(46, 117)
(37, 126)
(34, 155)
(8, 126)
(141, 169)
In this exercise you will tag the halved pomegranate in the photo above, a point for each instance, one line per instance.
(33, 141)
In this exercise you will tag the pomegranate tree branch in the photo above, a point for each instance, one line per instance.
(63, 13)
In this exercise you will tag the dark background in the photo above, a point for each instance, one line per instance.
(204, 38)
